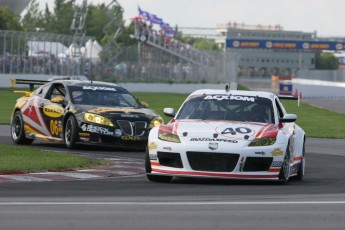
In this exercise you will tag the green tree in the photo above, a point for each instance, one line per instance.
(325, 61)
(63, 16)
(32, 20)
(201, 43)
(97, 19)
(126, 39)
(9, 20)
(48, 19)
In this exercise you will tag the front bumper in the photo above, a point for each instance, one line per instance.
(110, 136)
(123, 141)
(176, 159)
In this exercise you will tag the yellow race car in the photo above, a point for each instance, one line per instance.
(74, 111)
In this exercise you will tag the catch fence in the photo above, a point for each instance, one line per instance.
(41, 53)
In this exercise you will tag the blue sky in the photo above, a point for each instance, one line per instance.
(327, 17)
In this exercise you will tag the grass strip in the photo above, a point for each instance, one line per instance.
(21, 159)
(317, 122)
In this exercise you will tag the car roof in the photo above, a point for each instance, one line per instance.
(85, 82)
(233, 92)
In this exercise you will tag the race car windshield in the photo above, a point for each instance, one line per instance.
(227, 107)
(102, 96)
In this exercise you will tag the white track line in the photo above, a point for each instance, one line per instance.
(340, 202)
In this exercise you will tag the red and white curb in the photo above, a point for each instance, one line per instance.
(121, 167)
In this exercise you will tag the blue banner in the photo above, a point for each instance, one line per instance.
(284, 44)
(285, 89)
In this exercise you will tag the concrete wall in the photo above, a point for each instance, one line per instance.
(308, 88)
(132, 87)
(323, 75)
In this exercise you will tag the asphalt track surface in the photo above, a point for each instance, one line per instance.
(132, 202)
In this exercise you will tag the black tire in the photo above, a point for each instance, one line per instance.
(148, 169)
(301, 168)
(17, 130)
(71, 132)
(284, 174)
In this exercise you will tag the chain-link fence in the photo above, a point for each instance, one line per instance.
(150, 60)
(40, 53)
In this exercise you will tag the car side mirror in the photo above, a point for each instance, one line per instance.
(58, 100)
(288, 118)
(169, 112)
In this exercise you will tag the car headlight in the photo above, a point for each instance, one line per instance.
(266, 141)
(94, 118)
(156, 122)
(165, 134)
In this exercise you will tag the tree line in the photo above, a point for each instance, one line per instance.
(59, 19)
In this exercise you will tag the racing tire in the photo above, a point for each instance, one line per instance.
(284, 174)
(71, 132)
(148, 169)
(301, 167)
(17, 130)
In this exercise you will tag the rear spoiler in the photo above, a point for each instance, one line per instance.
(31, 83)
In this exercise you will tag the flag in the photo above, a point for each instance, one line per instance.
(152, 18)
(167, 29)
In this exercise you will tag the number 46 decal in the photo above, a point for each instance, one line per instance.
(241, 130)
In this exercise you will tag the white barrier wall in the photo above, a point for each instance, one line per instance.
(308, 88)
(5, 78)
(319, 89)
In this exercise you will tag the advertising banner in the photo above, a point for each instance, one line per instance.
(284, 44)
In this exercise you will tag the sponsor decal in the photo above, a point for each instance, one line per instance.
(260, 153)
(240, 130)
(152, 146)
(213, 146)
(84, 134)
(213, 139)
(30, 109)
(235, 133)
(55, 127)
(131, 138)
(167, 148)
(94, 88)
(229, 97)
(153, 157)
(277, 164)
(118, 132)
(53, 111)
(277, 152)
(96, 129)
(130, 115)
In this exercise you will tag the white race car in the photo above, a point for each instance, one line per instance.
(227, 134)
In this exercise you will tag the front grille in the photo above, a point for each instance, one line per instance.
(255, 164)
(213, 162)
(170, 159)
(140, 128)
(135, 128)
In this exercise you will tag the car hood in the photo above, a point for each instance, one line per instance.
(203, 130)
(119, 112)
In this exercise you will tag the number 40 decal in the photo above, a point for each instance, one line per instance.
(241, 130)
